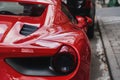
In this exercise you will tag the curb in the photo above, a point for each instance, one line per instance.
(111, 60)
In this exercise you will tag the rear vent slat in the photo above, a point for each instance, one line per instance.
(28, 29)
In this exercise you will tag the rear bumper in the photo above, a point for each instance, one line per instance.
(8, 73)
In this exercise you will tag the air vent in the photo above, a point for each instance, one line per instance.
(28, 29)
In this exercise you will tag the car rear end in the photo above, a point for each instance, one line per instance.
(38, 64)
(25, 56)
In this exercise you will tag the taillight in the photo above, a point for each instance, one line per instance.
(65, 61)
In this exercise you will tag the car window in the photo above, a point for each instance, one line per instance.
(68, 14)
(21, 9)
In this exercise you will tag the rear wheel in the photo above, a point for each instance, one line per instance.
(90, 31)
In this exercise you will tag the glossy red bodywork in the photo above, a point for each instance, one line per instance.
(55, 30)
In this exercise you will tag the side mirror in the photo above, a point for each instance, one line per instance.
(83, 21)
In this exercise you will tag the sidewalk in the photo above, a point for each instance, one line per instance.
(110, 33)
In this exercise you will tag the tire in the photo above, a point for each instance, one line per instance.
(90, 31)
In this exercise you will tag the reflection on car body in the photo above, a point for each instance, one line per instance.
(46, 44)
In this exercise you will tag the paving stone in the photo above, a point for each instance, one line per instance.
(117, 51)
(112, 39)
(115, 43)
(118, 37)
(118, 59)
(110, 31)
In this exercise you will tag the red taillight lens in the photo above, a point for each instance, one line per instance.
(65, 61)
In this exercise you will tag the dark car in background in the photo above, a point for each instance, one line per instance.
(83, 8)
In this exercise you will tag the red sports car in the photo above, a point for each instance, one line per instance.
(41, 40)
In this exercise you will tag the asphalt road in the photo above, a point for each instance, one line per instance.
(111, 16)
(99, 68)
(95, 71)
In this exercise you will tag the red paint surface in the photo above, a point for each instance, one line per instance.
(55, 29)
